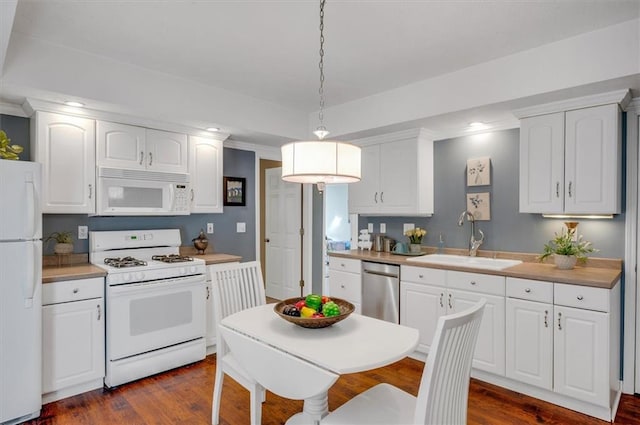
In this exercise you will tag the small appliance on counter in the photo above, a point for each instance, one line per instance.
(364, 240)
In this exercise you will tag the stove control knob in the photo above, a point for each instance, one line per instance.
(126, 277)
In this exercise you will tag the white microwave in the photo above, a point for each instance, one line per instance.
(140, 192)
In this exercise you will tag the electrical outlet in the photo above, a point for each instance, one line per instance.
(209, 228)
(83, 232)
(241, 227)
(408, 226)
(383, 227)
(370, 227)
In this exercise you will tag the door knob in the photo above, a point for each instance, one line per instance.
(267, 240)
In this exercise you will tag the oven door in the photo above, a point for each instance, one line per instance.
(146, 316)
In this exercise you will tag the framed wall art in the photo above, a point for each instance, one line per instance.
(479, 204)
(234, 190)
(479, 171)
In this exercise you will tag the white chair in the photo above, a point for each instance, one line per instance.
(444, 387)
(235, 288)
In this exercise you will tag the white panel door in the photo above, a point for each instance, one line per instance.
(581, 360)
(398, 177)
(205, 168)
(542, 164)
(166, 151)
(73, 343)
(65, 146)
(529, 342)
(282, 233)
(420, 308)
(364, 196)
(120, 145)
(489, 354)
(592, 164)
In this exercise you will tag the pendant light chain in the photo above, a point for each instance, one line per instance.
(321, 131)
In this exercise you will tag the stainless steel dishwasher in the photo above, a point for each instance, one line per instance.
(381, 291)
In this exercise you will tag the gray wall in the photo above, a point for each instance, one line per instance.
(508, 230)
(237, 163)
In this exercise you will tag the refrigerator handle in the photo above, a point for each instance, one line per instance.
(32, 206)
(34, 274)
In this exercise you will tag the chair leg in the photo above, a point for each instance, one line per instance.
(257, 396)
(217, 395)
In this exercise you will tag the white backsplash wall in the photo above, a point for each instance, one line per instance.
(508, 230)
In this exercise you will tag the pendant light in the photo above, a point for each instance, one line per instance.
(321, 161)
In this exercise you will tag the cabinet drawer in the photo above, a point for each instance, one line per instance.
(423, 275)
(347, 286)
(487, 284)
(581, 297)
(72, 290)
(344, 264)
(532, 290)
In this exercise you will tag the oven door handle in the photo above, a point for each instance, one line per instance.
(154, 286)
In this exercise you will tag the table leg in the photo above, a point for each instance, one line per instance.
(314, 409)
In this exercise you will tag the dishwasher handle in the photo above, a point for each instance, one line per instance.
(394, 275)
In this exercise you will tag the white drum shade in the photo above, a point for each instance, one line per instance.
(322, 161)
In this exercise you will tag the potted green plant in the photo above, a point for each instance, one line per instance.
(566, 252)
(8, 151)
(64, 242)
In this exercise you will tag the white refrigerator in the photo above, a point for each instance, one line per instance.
(20, 291)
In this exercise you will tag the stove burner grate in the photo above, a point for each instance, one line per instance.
(173, 258)
(124, 262)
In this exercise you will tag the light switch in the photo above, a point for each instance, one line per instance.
(83, 232)
(408, 226)
(383, 227)
(241, 227)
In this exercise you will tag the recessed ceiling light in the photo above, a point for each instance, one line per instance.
(213, 129)
(75, 104)
(477, 125)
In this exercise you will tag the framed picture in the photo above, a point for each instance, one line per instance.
(234, 189)
(479, 204)
(479, 171)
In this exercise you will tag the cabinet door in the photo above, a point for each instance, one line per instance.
(73, 343)
(542, 164)
(420, 308)
(398, 177)
(581, 360)
(593, 160)
(490, 348)
(347, 286)
(364, 196)
(120, 145)
(205, 168)
(166, 151)
(529, 342)
(65, 146)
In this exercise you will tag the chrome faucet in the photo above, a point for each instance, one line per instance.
(474, 243)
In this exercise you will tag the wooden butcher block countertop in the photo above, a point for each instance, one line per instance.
(598, 272)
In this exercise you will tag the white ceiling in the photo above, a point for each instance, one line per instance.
(268, 50)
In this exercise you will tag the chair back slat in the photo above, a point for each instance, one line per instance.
(236, 287)
(444, 387)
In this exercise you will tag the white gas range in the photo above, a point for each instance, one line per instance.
(155, 302)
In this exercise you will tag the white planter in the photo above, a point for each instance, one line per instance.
(63, 248)
(565, 262)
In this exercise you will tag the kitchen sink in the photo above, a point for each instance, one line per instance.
(465, 261)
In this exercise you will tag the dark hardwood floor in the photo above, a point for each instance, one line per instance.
(183, 396)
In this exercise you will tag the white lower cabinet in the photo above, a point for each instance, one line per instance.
(565, 339)
(345, 280)
(73, 359)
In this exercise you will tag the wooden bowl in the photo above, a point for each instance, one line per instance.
(346, 308)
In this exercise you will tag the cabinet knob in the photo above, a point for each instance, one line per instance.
(75, 290)
(382, 197)
(99, 312)
(527, 290)
(375, 197)
(150, 159)
(141, 157)
(473, 282)
(570, 183)
(90, 191)
(342, 286)
(580, 297)
(421, 276)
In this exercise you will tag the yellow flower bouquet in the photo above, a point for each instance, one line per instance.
(415, 235)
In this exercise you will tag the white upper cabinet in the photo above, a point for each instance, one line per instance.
(65, 146)
(570, 162)
(132, 147)
(205, 166)
(397, 176)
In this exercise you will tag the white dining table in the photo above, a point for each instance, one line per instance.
(355, 344)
